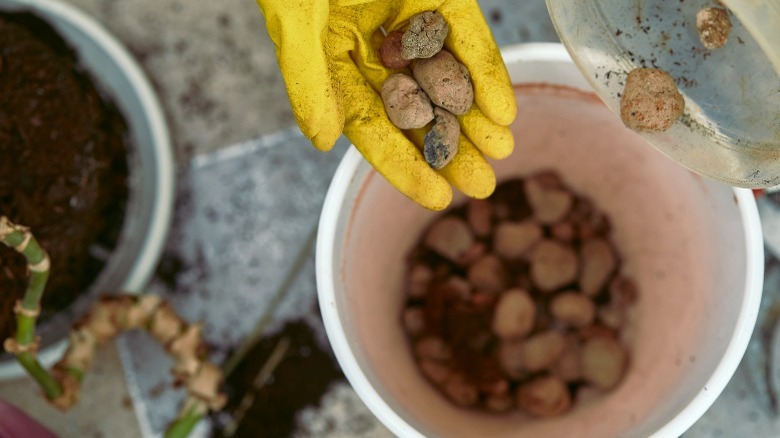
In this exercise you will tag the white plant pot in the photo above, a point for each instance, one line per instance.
(150, 168)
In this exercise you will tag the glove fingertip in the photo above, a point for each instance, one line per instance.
(436, 200)
(469, 172)
(501, 146)
(325, 138)
(486, 188)
(505, 110)
(425, 187)
(498, 103)
(322, 127)
(493, 140)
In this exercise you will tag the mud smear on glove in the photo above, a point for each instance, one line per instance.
(279, 377)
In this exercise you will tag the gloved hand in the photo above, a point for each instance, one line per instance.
(328, 55)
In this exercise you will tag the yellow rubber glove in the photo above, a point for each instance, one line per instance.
(328, 52)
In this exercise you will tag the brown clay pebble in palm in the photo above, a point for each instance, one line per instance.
(441, 142)
(598, 261)
(553, 265)
(447, 82)
(450, 237)
(390, 51)
(651, 101)
(603, 362)
(406, 105)
(425, 35)
(714, 27)
(514, 315)
(514, 239)
(544, 397)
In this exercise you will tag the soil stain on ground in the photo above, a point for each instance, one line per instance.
(63, 162)
(299, 374)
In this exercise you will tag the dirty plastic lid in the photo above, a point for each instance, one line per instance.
(730, 130)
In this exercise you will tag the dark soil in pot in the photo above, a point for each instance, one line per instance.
(63, 163)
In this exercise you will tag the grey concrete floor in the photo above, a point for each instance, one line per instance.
(214, 69)
(211, 63)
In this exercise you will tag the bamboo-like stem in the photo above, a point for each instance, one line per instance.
(105, 320)
(49, 385)
(25, 343)
(191, 414)
(113, 315)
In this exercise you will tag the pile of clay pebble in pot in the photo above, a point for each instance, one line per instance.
(519, 301)
(438, 90)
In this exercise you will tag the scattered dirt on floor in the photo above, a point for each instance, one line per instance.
(294, 373)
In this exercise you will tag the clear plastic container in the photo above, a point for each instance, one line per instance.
(730, 130)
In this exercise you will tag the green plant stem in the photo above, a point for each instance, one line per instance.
(24, 344)
(183, 425)
(13, 236)
(50, 386)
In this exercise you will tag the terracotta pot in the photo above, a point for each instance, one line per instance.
(693, 245)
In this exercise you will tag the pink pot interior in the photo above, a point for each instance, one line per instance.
(680, 236)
